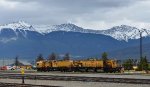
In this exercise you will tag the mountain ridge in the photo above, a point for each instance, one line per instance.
(122, 32)
(28, 43)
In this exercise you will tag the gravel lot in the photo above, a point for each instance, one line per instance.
(140, 76)
(73, 83)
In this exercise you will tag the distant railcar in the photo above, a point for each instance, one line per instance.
(65, 65)
(112, 66)
(80, 65)
(40, 65)
(86, 65)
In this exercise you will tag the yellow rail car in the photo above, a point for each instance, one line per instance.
(112, 66)
(81, 65)
(65, 65)
(85, 65)
(40, 65)
(50, 65)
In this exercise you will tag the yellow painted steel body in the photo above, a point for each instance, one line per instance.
(47, 64)
(65, 63)
(40, 64)
(111, 63)
(90, 63)
(53, 63)
(71, 65)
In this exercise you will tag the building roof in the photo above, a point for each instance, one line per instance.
(12, 62)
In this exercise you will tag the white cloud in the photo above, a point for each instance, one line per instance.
(137, 15)
(7, 5)
(102, 25)
(97, 14)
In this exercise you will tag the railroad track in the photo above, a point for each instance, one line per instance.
(77, 78)
(22, 85)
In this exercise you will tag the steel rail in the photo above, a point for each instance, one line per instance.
(22, 85)
(77, 78)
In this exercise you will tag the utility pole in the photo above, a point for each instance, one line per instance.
(141, 50)
(141, 53)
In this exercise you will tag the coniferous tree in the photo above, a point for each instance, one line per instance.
(67, 56)
(16, 61)
(140, 65)
(40, 57)
(143, 64)
(53, 56)
(104, 58)
(128, 64)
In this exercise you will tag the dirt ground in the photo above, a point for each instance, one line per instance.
(72, 83)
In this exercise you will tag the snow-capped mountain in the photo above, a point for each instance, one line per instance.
(13, 31)
(125, 32)
(17, 25)
(122, 32)
(25, 40)
(68, 27)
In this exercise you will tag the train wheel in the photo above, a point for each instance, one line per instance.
(86, 70)
(95, 70)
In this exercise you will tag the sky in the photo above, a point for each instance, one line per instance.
(91, 14)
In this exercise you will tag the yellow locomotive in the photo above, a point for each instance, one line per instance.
(86, 65)
(80, 65)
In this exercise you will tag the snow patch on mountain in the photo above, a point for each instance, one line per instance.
(62, 27)
(5, 40)
(122, 32)
(43, 29)
(17, 25)
(125, 32)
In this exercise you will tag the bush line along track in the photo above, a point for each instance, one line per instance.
(77, 78)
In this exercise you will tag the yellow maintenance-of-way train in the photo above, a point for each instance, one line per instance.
(78, 65)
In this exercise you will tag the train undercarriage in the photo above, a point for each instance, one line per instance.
(80, 69)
